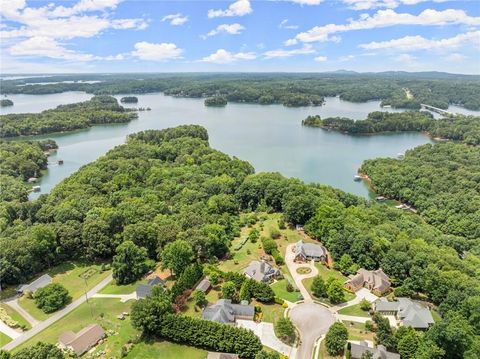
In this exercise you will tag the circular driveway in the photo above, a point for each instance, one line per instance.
(313, 321)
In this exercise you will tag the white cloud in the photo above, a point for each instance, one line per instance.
(307, 2)
(406, 59)
(156, 52)
(346, 58)
(222, 56)
(321, 58)
(238, 8)
(306, 49)
(374, 4)
(175, 19)
(386, 18)
(124, 24)
(284, 25)
(232, 29)
(456, 57)
(46, 47)
(413, 43)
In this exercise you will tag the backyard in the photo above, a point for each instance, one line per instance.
(354, 310)
(280, 289)
(356, 331)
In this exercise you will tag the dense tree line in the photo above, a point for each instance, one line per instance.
(98, 110)
(459, 128)
(6, 102)
(441, 181)
(216, 101)
(438, 90)
(129, 99)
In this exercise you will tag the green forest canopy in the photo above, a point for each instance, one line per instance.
(437, 90)
(97, 110)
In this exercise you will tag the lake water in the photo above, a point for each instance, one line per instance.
(270, 137)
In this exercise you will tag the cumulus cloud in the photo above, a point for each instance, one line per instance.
(156, 52)
(306, 49)
(238, 8)
(307, 2)
(222, 56)
(232, 29)
(175, 19)
(321, 58)
(374, 4)
(456, 57)
(413, 43)
(285, 25)
(386, 18)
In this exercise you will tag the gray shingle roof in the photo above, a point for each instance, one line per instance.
(155, 280)
(379, 352)
(38, 283)
(224, 311)
(84, 339)
(260, 271)
(143, 291)
(204, 285)
(310, 249)
(408, 312)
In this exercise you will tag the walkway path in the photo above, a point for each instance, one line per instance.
(267, 336)
(58, 315)
(313, 321)
(123, 297)
(362, 293)
(292, 267)
(9, 332)
(13, 303)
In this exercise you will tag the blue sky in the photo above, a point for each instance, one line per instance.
(242, 35)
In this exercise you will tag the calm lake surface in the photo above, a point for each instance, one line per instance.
(270, 137)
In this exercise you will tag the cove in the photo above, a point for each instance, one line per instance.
(270, 137)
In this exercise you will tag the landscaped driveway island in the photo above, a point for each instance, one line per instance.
(313, 321)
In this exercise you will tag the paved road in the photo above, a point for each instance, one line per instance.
(123, 297)
(58, 315)
(292, 267)
(313, 321)
(13, 303)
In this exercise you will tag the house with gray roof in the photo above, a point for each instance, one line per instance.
(38, 283)
(224, 311)
(308, 251)
(407, 312)
(82, 341)
(261, 271)
(380, 352)
(144, 290)
(376, 281)
(203, 286)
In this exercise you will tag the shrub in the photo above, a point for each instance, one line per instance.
(277, 257)
(336, 338)
(52, 297)
(290, 288)
(279, 300)
(285, 330)
(365, 305)
(4, 317)
(269, 246)
(318, 287)
(275, 233)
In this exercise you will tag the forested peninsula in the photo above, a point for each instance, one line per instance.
(435, 89)
(459, 128)
(169, 186)
(98, 110)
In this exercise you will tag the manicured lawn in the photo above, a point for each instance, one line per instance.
(436, 316)
(241, 259)
(322, 354)
(165, 350)
(76, 277)
(354, 310)
(102, 311)
(4, 339)
(270, 312)
(280, 289)
(356, 331)
(16, 316)
(113, 288)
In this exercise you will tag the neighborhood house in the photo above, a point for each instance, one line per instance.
(380, 352)
(83, 341)
(224, 311)
(376, 281)
(261, 271)
(203, 286)
(38, 283)
(308, 251)
(144, 290)
(407, 312)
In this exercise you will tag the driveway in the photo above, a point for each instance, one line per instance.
(313, 321)
(9, 332)
(293, 266)
(267, 336)
(58, 315)
(362, 293)
(13, 303)
(123, 297)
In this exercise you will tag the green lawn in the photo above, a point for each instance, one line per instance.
(29, 305)
(354, 310)
(4, 339)
(165, 350)
(436, 316)
(270, 312)
(102, 311)
(16, 316)
(241, 259)
(280, 289)
(356, 331)
(112, 288)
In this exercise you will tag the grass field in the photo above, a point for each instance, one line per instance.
(354, 310)
(4, 339)
(112, 288)
(271, 312)
(356, 331)
(165, 350)
(280, 289)
(16, 316)
(76, 277)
